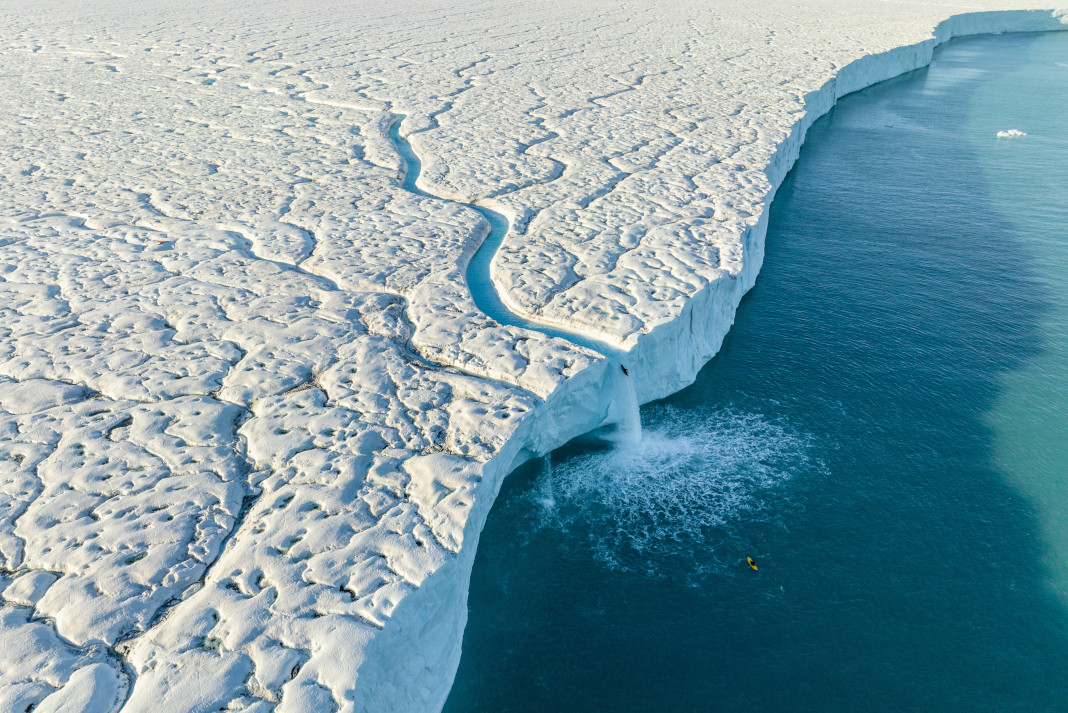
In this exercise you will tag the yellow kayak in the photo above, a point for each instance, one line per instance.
(751, 562)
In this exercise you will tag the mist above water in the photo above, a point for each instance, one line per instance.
(677, 492)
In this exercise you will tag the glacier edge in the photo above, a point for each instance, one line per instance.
(426, 629)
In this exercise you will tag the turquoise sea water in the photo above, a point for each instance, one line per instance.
(885, 431)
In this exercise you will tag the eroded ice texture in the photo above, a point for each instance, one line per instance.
(251, 420)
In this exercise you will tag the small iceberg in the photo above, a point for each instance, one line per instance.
(1011, 134)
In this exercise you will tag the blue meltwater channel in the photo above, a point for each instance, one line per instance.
(622, 418)
(885, 432)
(479, 268)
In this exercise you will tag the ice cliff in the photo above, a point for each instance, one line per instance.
(251, 418)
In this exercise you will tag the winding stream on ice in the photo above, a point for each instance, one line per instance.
(488, 300)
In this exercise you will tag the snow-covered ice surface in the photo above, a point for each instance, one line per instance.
(251, 419)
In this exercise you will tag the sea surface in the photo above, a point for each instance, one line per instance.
(885, 432)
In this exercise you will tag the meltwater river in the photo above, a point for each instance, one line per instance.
(885, 431)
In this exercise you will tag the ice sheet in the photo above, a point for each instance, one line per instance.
(251, 419)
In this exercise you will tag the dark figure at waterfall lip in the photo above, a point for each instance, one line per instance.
(625, 372)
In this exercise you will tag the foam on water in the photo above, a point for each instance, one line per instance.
(677, 490)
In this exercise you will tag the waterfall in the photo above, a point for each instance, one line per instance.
(624, 409)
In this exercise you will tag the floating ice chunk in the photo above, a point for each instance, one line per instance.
(1011, 134)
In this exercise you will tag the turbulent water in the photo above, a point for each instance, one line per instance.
(885, 431)
(683, 483)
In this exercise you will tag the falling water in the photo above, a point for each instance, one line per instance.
(624, 411)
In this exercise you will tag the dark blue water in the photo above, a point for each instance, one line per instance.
(885, 431)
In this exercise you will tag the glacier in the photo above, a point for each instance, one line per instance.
(252, 417)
